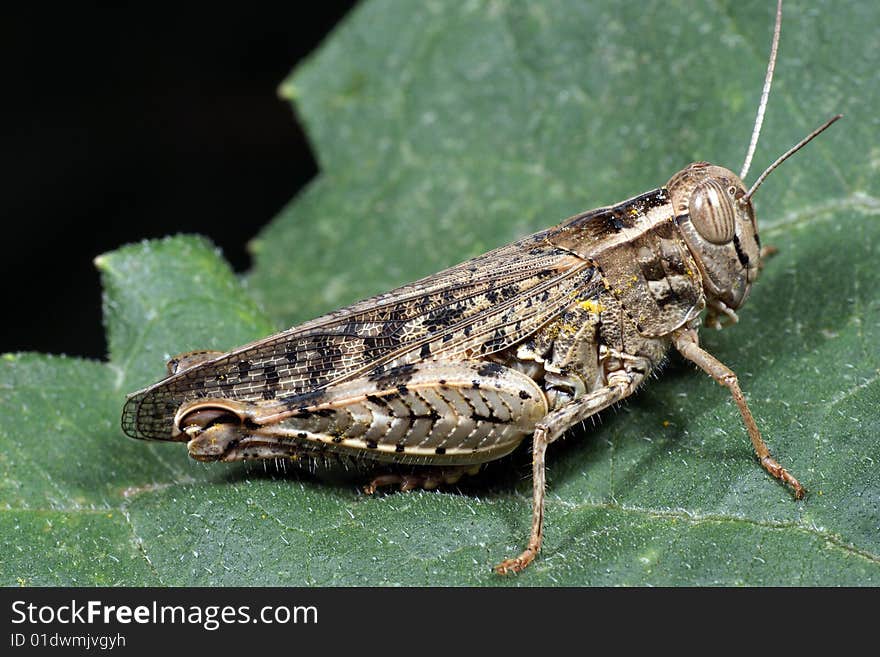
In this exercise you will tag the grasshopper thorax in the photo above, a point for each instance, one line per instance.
(717, 222)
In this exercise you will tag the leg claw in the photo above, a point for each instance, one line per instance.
(517, 565)
(772, 466)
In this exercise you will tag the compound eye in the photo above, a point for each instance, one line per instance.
(712, 212)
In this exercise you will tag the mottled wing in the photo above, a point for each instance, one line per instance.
(476, 308)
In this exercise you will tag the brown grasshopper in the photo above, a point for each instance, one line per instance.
(458, 368)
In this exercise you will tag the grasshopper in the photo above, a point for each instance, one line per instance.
(458, 368)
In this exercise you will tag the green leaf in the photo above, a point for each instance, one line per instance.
(444, 130)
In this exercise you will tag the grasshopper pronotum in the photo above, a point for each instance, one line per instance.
(458, 368)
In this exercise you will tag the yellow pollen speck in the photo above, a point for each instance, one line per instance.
(666, 423)
(592, 306)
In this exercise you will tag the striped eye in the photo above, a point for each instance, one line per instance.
(712, 212)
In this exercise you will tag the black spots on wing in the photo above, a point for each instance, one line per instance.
(541, 274)
(375, 399)
(508, 291)
(492, 296)
(440, 451)
(391, 378)
(402, 390)
(425, 351)
(490, 369)
(326, 346)
(475, 384)
(524, 395)
(392, 315)
(399, 448)
(270, 372)
(352, 329)
(270, 387)
(374, 347)
(371, 444)
(444, 317)
(496, 343)
(305, 399)
(244, 367)
(396, 314)
(468, 329)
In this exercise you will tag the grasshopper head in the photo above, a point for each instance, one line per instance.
(717, 221)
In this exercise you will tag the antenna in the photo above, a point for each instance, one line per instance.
(787, 154)
(765, 94)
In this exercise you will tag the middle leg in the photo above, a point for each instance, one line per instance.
(620, 384)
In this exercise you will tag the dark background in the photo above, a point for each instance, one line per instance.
(124, 123)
